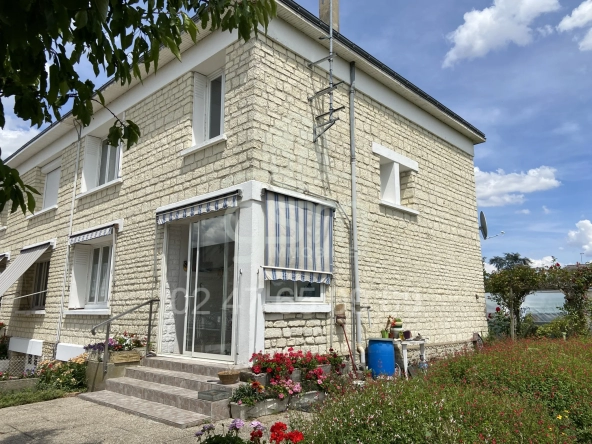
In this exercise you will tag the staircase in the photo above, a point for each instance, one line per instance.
(178, 392)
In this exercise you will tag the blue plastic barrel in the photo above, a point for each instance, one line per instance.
(381, 357)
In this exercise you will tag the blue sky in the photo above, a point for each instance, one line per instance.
(519, 70)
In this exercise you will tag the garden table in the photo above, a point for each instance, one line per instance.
(404, 344)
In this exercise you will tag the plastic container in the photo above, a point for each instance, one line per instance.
(381, 357)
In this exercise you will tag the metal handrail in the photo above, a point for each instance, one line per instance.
(110, 320)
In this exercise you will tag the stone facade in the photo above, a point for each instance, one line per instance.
(424, 268)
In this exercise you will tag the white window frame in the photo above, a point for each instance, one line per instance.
(293, 299)
(212, 77)
(45, 206)
(392, 164)
(100, 247)
(44, 266)
(117, 167)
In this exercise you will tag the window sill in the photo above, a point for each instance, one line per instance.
(296, 307)
(45, 210)
(100, 188)
(30, 312)
(208, 143)
(3, 228)
(399, 208)
(89, 312)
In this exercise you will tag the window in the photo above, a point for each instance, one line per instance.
(99, 275)
(108, 165)
(40, 286)
(395, 178)
(208, 107)
(298, 249)
(50, 192)
(101, 163)
(91, 276)
(294, 291)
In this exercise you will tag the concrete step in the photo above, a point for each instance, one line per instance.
(187, 365)
(184, 380)
(147, 409)
(178, 397)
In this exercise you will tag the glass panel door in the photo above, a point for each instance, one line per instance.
(210, 286)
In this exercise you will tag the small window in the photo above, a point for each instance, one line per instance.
(40, 286)
(208, 107)
(100, 270)
(396, 177)
(50, 192)
(295, 291)
(109, 163)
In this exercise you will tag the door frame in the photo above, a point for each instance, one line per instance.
(235, 273)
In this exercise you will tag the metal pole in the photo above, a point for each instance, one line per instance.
(106, 350)
(352, 132)
(149, 331)
(331, 59)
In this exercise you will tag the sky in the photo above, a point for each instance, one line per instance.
(521, 72)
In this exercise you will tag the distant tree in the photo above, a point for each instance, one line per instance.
(509, 287)
(509, 260)
(43, 41)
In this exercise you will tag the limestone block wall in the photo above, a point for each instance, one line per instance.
(153, 175)
(425, 269)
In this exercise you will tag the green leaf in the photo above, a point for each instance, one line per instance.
(102, 8)
(81, 19)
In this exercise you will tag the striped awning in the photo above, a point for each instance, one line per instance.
(21, 264)
(298, 240)
(197, 208)
(91, 235)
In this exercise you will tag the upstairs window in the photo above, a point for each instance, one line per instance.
(50, 191)
(101, 163)
(208, 107)
(395, 178)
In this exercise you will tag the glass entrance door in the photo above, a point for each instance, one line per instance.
(210, 289)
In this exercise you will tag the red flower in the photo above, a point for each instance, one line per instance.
(256, 369)
(497, 309)
(256, 435)
(295, 436)
(489, 315)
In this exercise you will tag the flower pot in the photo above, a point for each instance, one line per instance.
(407, 334)
(261, 378)
(303, 401)
(326, 368)
(229, 376)
(127, 356)
(296, 375)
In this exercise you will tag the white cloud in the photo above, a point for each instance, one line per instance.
(582, 237)
(546, 210)
(15, 132)
(490, 268)
(496, 188)
(505, 22)
(547, 261)
(586, 42)
(525, 211)
(579, 17)
(546, 30)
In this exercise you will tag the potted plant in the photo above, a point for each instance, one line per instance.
(229, 376)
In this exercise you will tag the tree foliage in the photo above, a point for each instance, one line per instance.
(509, 260)
(42, 43)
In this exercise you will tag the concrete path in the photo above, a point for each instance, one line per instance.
(73, 420)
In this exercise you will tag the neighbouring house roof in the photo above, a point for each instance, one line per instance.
(309, 24)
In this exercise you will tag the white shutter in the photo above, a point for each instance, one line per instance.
(52, 186)
(92, 153)
(80, 267)
(199, 108)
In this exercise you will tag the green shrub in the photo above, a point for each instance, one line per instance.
(419, 411)
(70, 375)
(571, 324)
(551, 373)
(29, 396)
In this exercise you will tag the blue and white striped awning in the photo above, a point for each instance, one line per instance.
(298, 240)
(197, 208)
(91, 235)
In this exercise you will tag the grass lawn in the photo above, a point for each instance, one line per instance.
(30, 395)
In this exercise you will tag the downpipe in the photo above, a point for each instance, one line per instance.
(356, 293)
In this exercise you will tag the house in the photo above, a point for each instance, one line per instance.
(229, 214)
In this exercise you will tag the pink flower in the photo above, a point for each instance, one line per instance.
(240, 402)
(281, 396)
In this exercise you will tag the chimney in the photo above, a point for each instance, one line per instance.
(324, 6)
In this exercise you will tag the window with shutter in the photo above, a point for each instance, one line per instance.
(52, 185)
(101, 163)
(208, 107)
(80, 268)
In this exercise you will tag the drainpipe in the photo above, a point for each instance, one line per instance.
(67, 264)
(352, 135)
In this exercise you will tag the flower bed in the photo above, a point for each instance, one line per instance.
(120, 343)
(278, 434)
(70, 375)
